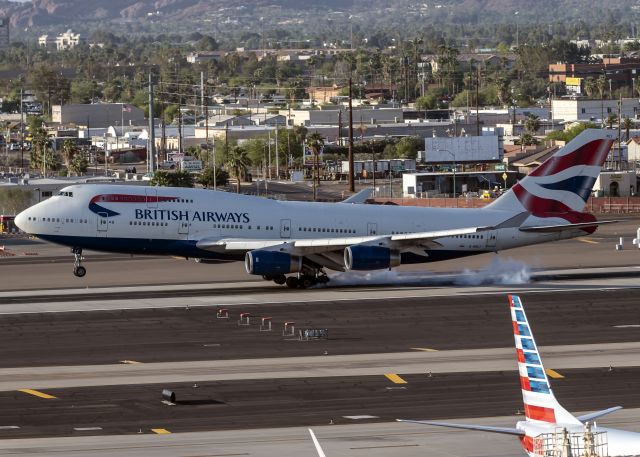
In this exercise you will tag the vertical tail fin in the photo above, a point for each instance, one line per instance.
(563, 183)
(540, 405)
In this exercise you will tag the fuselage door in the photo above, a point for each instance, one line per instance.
(152, 197)
(372, 228)
(103, 224)
(285, 228)
(492, 239)
(183, 228)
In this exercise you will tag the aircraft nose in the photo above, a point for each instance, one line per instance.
(21, 221)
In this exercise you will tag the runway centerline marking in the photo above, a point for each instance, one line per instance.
(627, 326)
(130, 362)
(36, 393)
(584, 240)
(160, 431)
(424, 349)
(553, 374)
(394, 378)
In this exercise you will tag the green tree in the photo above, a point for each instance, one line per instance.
(172, 179)
(315, 142)
(532, 124)
(69, 150)
(206, 178)
(627, 123)
(79, 164)
(408, 147)
(238, 161)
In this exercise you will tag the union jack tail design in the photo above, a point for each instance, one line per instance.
(540, 405)
(561, 186)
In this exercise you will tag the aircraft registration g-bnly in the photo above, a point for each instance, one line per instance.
(548, 428)
(303, 239)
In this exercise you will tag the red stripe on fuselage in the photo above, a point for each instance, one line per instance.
(591, 154)
(525, 384)
(520, 353)
(123, 198)
(515, 328)
(540, 413)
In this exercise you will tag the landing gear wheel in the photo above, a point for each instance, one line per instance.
(292, 282)
(307, 281)
(78, 269)
(267, 277)
(323, 279)
(280, 279)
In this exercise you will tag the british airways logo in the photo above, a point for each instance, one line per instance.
(192, 216)
(95, 205)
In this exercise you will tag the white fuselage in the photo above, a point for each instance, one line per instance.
(162, 220)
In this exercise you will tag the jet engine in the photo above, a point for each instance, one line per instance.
(271, 263)
(363, 257)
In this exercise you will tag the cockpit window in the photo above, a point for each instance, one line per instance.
(65, 194)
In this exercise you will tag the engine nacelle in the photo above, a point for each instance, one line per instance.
(363, 257)
(270, 263)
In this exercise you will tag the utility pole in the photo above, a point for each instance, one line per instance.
(277, 155)
(22, 131)
(180, 125)
(478, 104)
(351, 177)
(340, 127)
(202, 92)
(152, 133)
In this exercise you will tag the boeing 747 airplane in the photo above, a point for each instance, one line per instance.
(544, 416)
(303, 240)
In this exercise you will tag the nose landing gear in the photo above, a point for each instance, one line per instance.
(78, 269)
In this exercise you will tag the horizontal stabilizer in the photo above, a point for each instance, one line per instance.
(597, 414)
(480, 428)
(563, 227)
(359, 197)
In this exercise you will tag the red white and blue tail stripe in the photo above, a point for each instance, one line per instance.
(540, 405)
(561, 186)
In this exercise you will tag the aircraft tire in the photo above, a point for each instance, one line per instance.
(280, 279)
(292, 282)
(307, 281)
(79, 271)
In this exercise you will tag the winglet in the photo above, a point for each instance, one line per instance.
(360, 197)
(317, 444)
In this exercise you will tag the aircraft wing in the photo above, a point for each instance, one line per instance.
(563, 227)
(597, 414)
(480, 428)
(322, 245)
(359, 197)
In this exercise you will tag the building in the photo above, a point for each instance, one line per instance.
(205, 56)
(330, 116)
(585, 110)
(619, 71)
(98, 115)
(62, 42)
(616, 184)
(5, 37)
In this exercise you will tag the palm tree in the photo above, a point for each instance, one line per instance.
(238, 161)
(601, 83)
(532, 124)
(611, 119)
(627, 123)
(590, 86)
(69, 150)
(315, 142)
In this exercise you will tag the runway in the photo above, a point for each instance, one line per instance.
(242, 404)
(106, 345)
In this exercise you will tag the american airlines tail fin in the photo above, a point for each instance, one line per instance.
(563, 183)
(540, 405)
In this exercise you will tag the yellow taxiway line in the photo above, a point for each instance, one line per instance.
(553, 374)
(394, 378)
(161, 431)
(37, 393)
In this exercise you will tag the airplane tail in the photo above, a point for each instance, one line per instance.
(540, 405)
(561, 186)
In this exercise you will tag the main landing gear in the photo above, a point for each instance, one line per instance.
(78, 269)
(302, 281)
